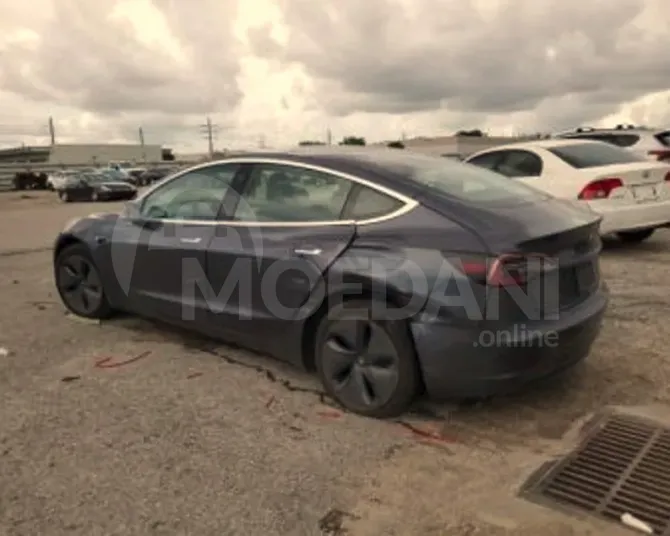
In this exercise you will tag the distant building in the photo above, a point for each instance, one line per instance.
(461, 146)
(92, 154)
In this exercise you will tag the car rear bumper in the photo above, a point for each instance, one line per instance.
(486, 360)
(630, 217)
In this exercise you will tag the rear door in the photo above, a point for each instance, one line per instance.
(284, 233)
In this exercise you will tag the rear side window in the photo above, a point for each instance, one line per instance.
(367, 203)
(590, 155)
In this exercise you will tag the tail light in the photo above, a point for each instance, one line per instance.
(660, 154)
(600, 189)
(506, 270)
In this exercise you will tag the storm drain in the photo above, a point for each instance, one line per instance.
(622, 467)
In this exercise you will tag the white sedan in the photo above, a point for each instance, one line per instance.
(631, 192)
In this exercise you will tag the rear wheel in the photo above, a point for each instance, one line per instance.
(635, 237)
(79, 283)
(95, 196)
(64, 197)
(367, 363)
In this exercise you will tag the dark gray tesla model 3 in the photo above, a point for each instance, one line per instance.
(389, 273)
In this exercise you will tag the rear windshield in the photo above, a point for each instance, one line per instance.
(590, 155)
(457, 180)
(664, 138)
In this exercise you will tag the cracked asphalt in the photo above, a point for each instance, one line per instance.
(128, 427)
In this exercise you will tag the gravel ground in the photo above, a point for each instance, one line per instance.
(192, 437)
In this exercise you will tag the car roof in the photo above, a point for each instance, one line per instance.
(385, 166)
(537, 144)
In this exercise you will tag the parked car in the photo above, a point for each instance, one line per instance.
(95, 187)
(631, 192)
(57, 179)
(29, 180)
(363, 285)
(152, 175)
(115, 175)
(653, 144)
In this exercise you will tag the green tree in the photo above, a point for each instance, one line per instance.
(352, 140)
(395, 145)
(308, 143)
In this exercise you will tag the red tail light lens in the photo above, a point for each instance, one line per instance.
(661, 154)
(502, 271)
(600, 189)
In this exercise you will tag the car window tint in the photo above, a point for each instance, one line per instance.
(368, 203)
(488, 160)
(277, 193)
(664, 138)
(196, 195)
(520, 164)
(589, 155)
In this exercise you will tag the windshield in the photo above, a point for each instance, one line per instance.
(590, 155)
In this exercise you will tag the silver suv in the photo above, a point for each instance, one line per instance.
(653, 144)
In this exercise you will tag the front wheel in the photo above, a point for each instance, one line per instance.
(365, 361)
(64, 197)
(635, 237)
(79, 283)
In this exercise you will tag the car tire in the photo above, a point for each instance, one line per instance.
(635, 237)
(369, 382)
(95, 197)
(79, 283)
(64, 197)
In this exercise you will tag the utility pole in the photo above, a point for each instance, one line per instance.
(140, 132)
(261, 141)
(329, 137)
(209, 130)
(52, 131)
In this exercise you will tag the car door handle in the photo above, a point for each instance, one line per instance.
(190, 240)
(307, 251)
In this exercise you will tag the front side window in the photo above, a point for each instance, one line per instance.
(520, 164)
(487, 160)
(590, 155)
(279, 193)
(196, 195)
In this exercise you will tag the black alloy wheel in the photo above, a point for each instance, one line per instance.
(79, 283)
(367, 364)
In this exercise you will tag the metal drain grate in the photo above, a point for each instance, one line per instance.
(623, 466)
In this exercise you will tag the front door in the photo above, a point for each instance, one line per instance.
(283, 236)
(161, 250)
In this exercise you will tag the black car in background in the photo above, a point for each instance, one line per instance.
(95, 187)
(154, 174)
(388, 272)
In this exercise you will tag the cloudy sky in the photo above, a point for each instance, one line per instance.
(278, 71)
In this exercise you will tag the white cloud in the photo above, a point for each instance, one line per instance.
(283, 70)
